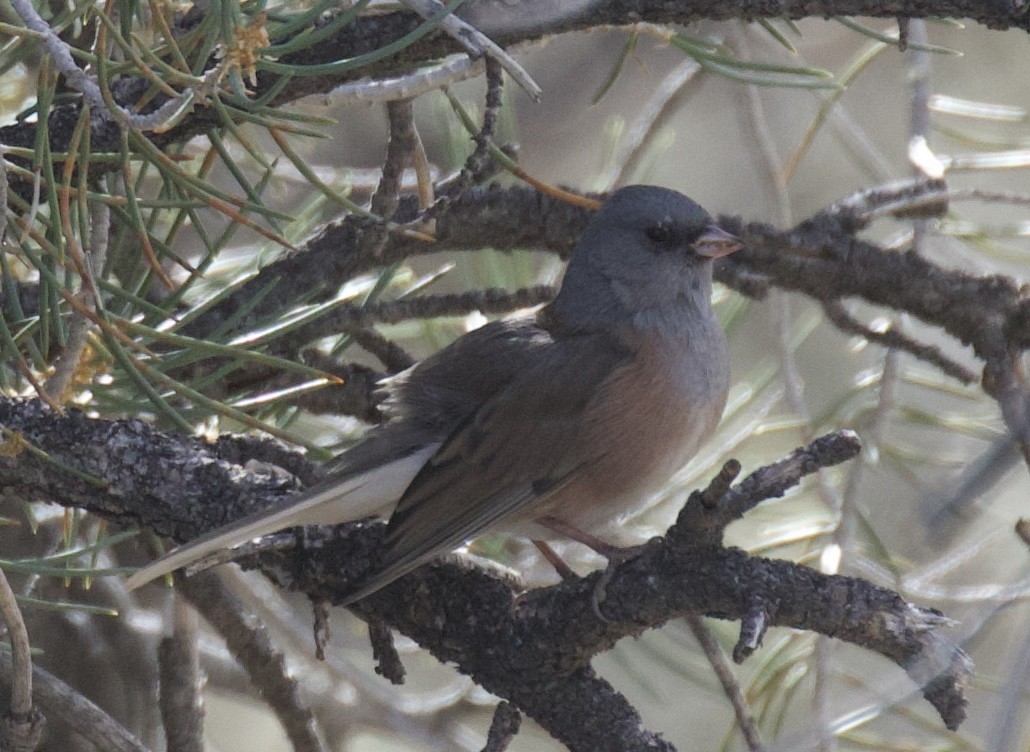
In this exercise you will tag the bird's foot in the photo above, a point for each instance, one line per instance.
(614, 554)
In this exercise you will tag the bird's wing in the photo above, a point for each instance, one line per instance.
(521, 447)
(374, 476)
(426, 403)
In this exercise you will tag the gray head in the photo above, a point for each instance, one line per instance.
(647, 249)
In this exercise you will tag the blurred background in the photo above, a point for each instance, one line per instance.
(764, 122)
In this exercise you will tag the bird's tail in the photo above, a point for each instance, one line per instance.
(334, 501)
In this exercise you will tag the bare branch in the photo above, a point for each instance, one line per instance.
(371, 32)
(250, 643)
(534, 652)
(22, 725)
(505, 725)
(64, 705)
(182, 709)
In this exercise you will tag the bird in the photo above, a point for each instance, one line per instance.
(550, 426)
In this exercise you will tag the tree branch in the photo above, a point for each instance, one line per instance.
(533, 649)
(371, 32)
(821, 258)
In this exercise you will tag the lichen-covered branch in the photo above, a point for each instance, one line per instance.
(532, 649)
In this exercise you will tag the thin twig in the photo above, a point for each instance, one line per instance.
(920, 66)
(949, 504)
(908, 198)
(1005, 380)
(451, 71)
(490, 300)
(894, 339)
(653, 114)
(250, 643)
(724, 672)
(477, 44)
(399, 151)
(22, 726)
(389, 353)
(503, 728)
(61, 54)
(1009, 721)
(478, 161)
(167, 115)
(775, 176)
(388, 661)
(992, 197)
(336, 677)
(182, 707)
(845, 533)
(398, 156)
(64, 705)
(702, 519)
(356, 396)
(423, 175)
(95, 254)
(3, 195)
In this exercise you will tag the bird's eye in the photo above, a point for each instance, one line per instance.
(659, 233)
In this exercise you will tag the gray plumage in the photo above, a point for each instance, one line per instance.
(577, 414)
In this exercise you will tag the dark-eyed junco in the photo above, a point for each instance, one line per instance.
(543, 425)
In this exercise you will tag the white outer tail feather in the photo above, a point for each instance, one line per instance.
(353, 498)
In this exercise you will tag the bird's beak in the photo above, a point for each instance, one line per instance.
(716, 242)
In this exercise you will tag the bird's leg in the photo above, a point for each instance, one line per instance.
(555, 560)
(605, 549)
(614, 554)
